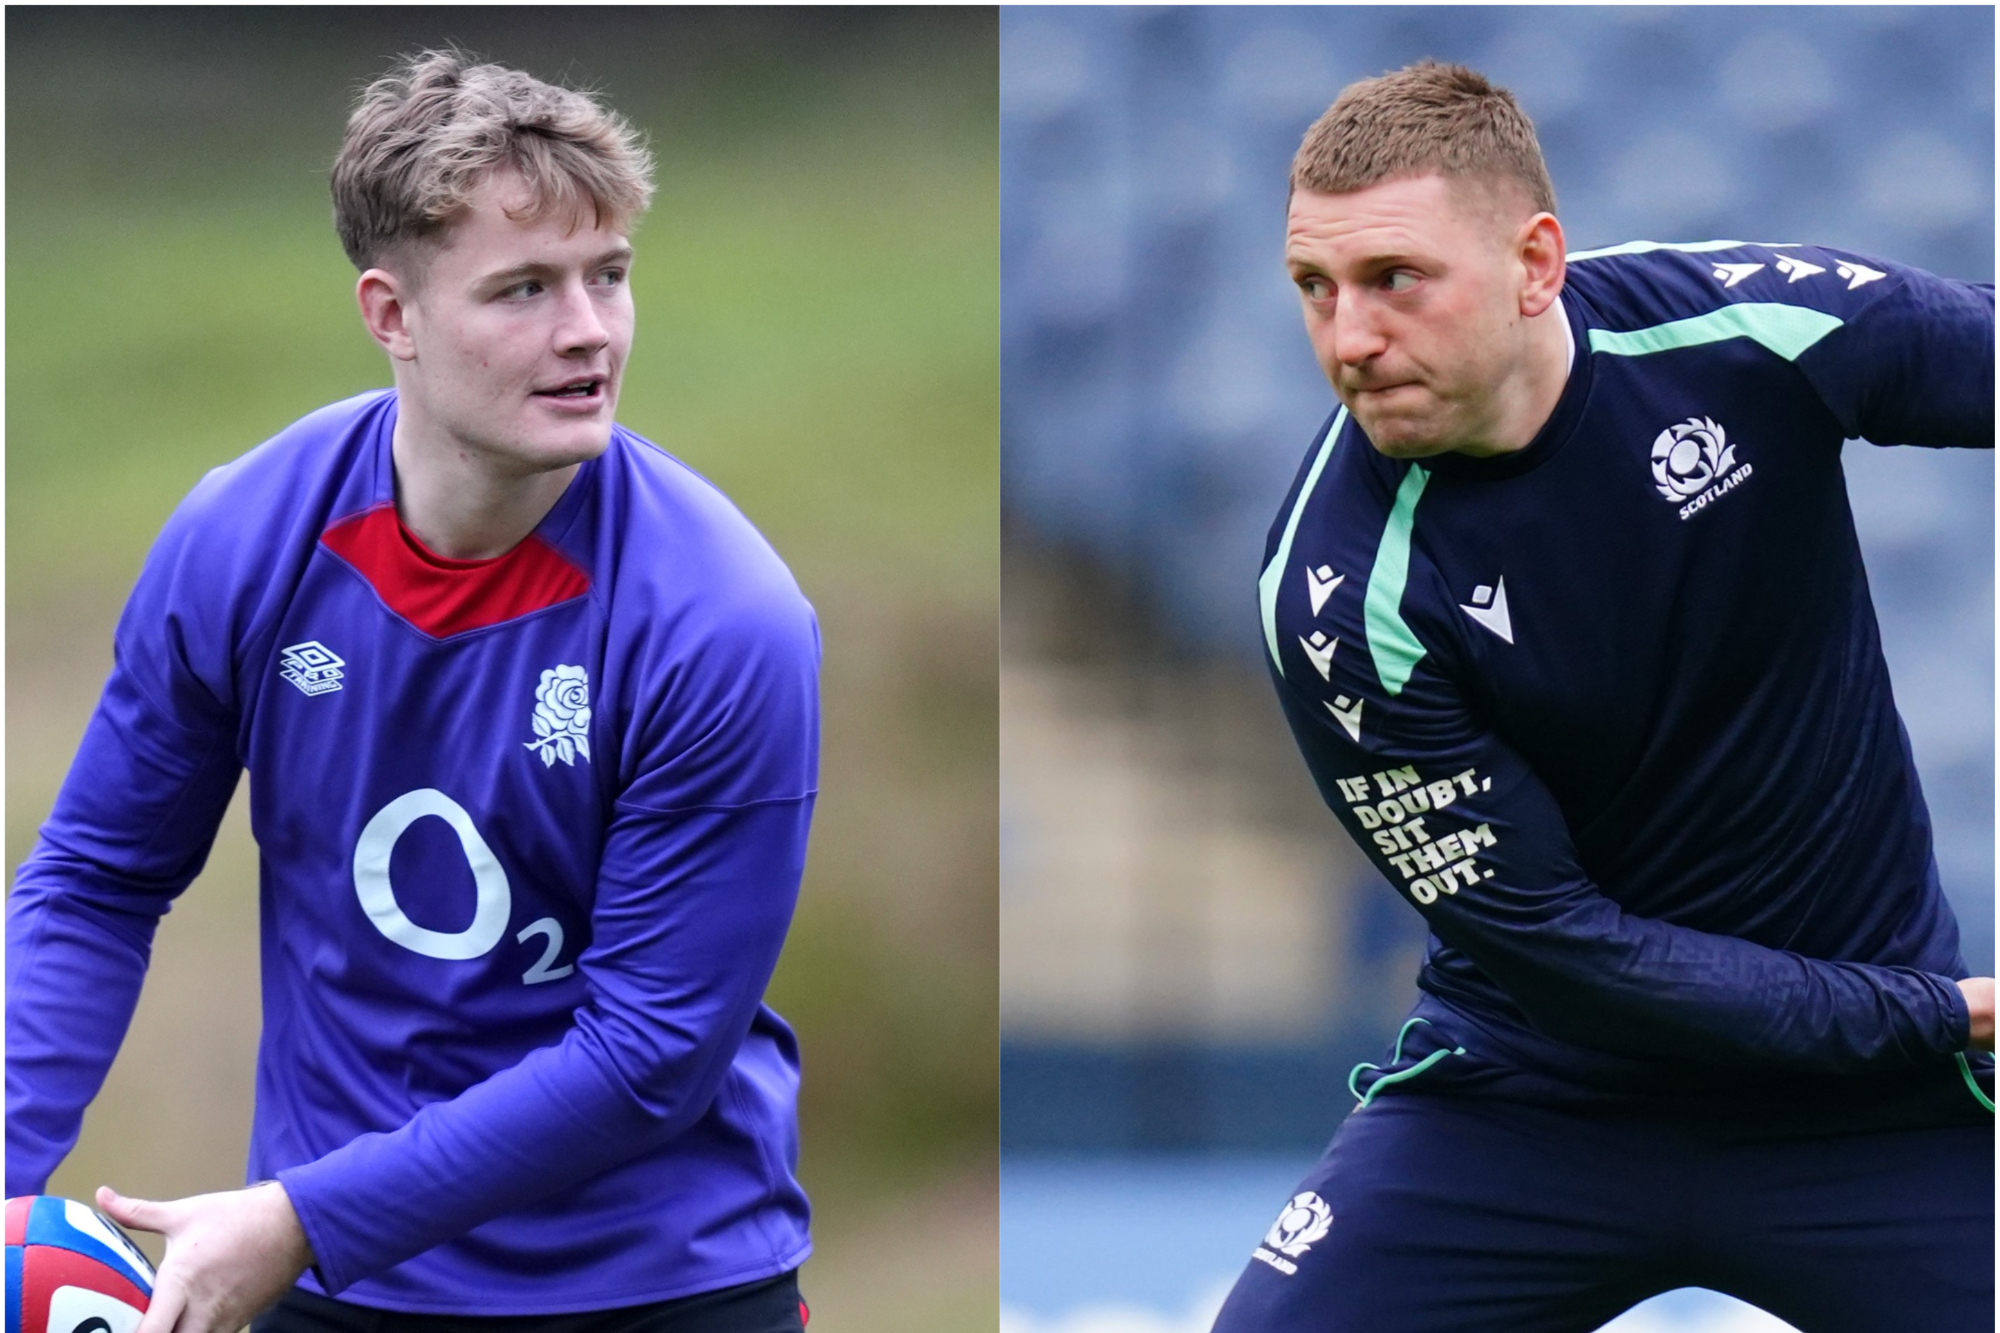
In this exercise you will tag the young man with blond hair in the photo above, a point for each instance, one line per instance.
(533, 719)
(1568, 617)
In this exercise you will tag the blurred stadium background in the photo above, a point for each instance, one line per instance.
(819, 307)
(1192, 955)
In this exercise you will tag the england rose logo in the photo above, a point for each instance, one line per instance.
(562, 715)
(1690, 457)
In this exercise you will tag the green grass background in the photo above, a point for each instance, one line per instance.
(817, 287)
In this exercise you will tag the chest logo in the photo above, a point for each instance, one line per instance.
(562, 716)
(311, 666)
(1694, 465)
(1489, 608)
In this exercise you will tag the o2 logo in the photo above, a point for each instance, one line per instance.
(494, 902)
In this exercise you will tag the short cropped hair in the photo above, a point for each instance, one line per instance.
(427, 134)
(1427, 117)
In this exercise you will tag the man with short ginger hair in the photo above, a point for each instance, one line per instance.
(533, 715)
(1567, 615)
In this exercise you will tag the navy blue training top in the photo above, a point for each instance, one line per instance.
(1611, 711)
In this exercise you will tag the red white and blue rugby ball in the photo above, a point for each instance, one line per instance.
(71, 1270)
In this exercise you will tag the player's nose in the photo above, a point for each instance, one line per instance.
(581, 326)
(1354, 337)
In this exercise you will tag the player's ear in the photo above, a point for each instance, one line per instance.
(382, 296)
(1539, 247)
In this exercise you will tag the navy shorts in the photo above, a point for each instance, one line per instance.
(769, 1306)
(1443, 1213)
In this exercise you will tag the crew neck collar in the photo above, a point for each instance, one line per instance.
(1555, 432)
(549, 527)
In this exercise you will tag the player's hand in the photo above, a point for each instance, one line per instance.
(1979, 1000)
(229, 1255)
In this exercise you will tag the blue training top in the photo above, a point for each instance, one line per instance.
(1611, 711)
(531, 831)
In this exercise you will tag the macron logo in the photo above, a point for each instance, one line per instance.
(1319, 651)
(1347, 712)
(1853, 274)
(1489, 608)
(1857, 274)
(1320, 584)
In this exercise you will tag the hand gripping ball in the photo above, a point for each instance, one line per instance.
(70, 1270)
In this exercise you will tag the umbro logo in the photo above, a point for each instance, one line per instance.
(311, 666)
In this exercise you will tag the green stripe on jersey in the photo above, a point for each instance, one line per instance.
(1786, 329)
(1390, 642)
(1690, 247)
(1274, 573)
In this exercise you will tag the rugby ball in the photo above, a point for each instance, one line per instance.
(71, 1270)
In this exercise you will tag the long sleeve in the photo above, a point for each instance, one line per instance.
(130, 830)
(1611, 709)
(1461, 826)
(523, 878)
(1912, 361)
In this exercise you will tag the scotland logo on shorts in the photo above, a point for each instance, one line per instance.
(1306, 1219)
(1695, 462)
(312, 666)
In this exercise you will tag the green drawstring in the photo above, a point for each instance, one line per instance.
(1354, 1074)
(1419, 1067)
(1964, 1069)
